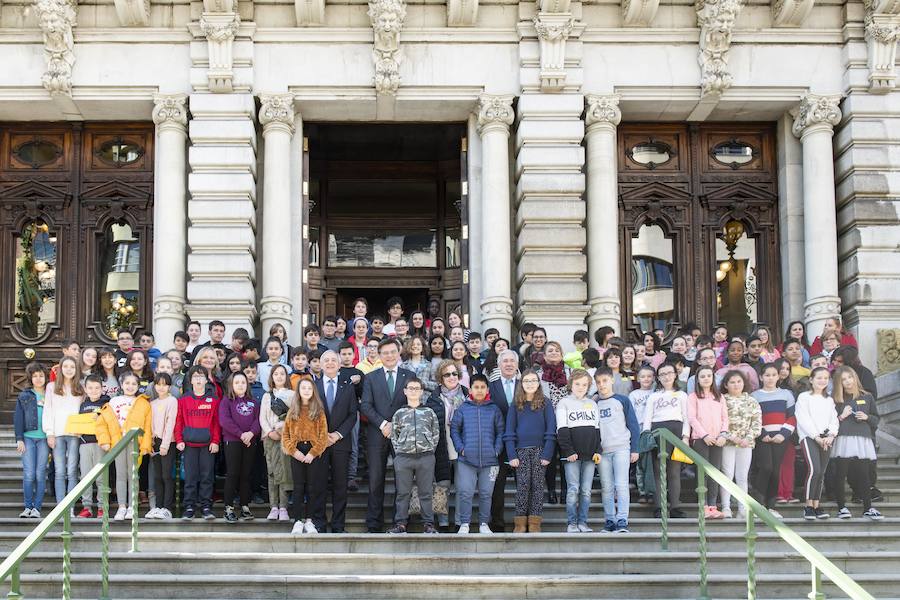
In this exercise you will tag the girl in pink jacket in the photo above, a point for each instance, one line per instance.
(708, 415)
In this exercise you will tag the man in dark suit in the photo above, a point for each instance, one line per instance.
(382, 396)
(503, 393)
(341, 409)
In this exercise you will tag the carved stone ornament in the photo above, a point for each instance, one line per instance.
(791, 13)
(387, 18)
(639, 13)
(602, 110)
(309, 12)
(220, 30)
(888, 350)
(817, 110)
(882, 23)
(170, 109)
(462, 13)
(277, 110)
(553, 29)
(56, 19)
(494, 111)
(716, 21)
(133, 12)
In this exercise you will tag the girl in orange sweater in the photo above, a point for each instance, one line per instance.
(304, 439)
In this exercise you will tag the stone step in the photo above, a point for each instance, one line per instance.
(470, 587)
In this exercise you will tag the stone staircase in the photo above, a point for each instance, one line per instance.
(260, 559)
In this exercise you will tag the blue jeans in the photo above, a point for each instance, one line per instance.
(468, 479)
(614, 467)
(65, 465)
(579, 478)
(34, 471)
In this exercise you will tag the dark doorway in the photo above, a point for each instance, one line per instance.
(413, 299)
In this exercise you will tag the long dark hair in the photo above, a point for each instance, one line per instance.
(537, 402)
(490, 361)
(698, 391)
(146, 372)
(419, 331)
(787, 334)
(443, 354)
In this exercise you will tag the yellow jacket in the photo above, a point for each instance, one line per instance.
(140, 415)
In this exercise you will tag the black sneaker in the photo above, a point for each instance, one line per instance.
(429, 528)
(677, 513)
(809, 513)
(208, 514)
(609, 526)
(353, 485)
(246, 515)
(821, 514)
(229, 515)
(398, 528)
(188, 514)
(622, 526)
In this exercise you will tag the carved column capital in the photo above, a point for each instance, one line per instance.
(716, 21)
(553, 29)
(815, 113)
(277, 112)
(495, 112)
(602, 111)
(56, 19)
(170, 110)
(882, 23)
(220, 30)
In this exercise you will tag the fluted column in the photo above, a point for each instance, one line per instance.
(602, 118)
(169, 216)
(814, 125)
(277, 117)
(495, 115)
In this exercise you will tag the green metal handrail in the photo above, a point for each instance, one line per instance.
(820, 565)
(11, 567)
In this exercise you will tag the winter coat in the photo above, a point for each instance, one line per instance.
(441, 452)
(477, 433)
(415, 430)
(110, 432)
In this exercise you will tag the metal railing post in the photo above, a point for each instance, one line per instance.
(816, 593)
(67, 554)
(103, 492)
(701, 526)
(663, 493)
(751, 555)
(135, 493)
(15, 592)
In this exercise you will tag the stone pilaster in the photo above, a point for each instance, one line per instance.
(276, 114)
(169, 216)
(476, 227)
(814, 125)
(602, 117)
(222, 209)
(790, 221)
(495, 115)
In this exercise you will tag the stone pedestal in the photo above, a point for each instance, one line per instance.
(169, 217)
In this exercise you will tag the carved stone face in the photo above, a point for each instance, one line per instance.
(51, 22)
(388, 22)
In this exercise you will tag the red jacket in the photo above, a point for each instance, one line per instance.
(197, 414)
(847, 339)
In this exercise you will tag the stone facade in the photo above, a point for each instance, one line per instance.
(229, 84)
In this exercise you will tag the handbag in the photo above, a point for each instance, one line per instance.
(678, 455)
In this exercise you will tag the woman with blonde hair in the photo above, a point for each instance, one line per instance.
(303, 440)
(445, 399)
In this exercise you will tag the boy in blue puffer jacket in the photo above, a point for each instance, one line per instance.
(477, 434)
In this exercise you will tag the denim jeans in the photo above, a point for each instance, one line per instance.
(34, 471)
(468, 478)
(614, 468)
(65, 465)
(579, 478)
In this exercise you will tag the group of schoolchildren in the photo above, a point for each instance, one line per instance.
(470, 414)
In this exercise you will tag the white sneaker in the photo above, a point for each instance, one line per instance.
(775, 513)
(572, 528)
(844, 513)
(25, 514)
(153, 513)
(873, 514)
(583, 528)
(463, 529)
(164, 513)
(129, 513)
(120, 514)
(273, 514)
(35, 513)
(298, 528)
(283, 514)
(726, 512)
(309, 527)
(483, 528)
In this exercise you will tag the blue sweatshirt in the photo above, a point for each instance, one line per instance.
(529, 428)
(619, 428)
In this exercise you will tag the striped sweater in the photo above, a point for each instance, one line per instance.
(777, 411)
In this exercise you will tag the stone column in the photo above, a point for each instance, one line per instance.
(790, 219)
(602, 117)
(169, 217)
(276, 114)
(473, 156)
(495, 115)
(814, 125)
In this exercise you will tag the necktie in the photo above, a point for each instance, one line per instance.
(390, 382)
(510, 391)
(329, 394)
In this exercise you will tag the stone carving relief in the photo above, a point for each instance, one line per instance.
(882, 22)
(56, 19)
(495, 111)
(791, 13)
(888, 350)
(277, 109)
(309, 12)
(639, 13)
(220, 30)
(817, 110)
(462, 13)
(553, 29)
(716, 21)
(170, 109)
(387, 18)
(133, 12)
(602, 109)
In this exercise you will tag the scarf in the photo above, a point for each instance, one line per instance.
(555, 374)
(452, 399)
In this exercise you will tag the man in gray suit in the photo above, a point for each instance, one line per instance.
(382, 396)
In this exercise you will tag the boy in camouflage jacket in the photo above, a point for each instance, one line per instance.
(415, 431)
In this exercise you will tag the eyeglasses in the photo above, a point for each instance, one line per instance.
(449, 374)
(524, 381)
(413, 388)
(667, 374)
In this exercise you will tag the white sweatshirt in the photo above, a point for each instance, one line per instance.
(814, 415)
(57, 410)
(667, 406)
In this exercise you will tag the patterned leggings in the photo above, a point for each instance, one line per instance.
(530, 483)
